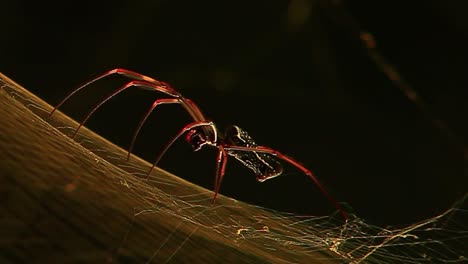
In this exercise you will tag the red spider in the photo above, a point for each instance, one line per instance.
(202, 132)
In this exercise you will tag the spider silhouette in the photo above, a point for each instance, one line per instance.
(263, 161)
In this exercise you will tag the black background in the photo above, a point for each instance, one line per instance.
(292, 73)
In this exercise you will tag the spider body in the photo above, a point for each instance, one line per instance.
(265, 166)
(235, 142)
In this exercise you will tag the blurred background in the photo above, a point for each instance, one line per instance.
(295, 74)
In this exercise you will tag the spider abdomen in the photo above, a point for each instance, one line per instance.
(265, 166)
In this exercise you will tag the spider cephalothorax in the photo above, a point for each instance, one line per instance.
(264, 161)
(197, 139)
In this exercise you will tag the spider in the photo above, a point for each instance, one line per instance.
(235, 142)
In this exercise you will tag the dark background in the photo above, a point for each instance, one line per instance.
(292, 73)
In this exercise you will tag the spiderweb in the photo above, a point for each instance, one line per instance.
(440, 239)
(293, 238)
(289, 238)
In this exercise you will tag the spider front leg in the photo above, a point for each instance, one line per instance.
(261, 178)
(138, 84)
(123, 72)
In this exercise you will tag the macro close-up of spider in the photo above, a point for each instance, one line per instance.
(264, 161)
(321, 131)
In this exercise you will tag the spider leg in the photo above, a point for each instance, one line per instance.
(139, 84)
(181, 132)
(124, 72)
(220, 170)
(262, 149)
(143, 120)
